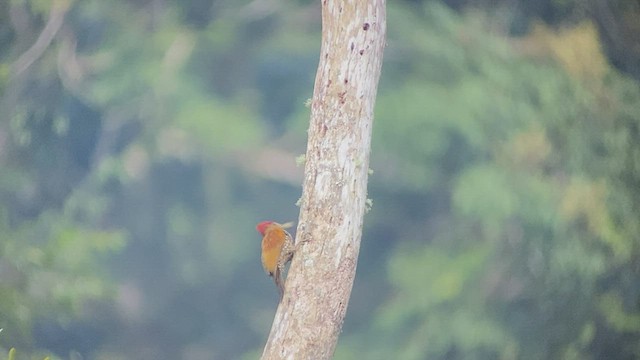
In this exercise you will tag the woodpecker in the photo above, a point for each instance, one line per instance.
(277, 249)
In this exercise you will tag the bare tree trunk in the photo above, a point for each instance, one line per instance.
(311, 314)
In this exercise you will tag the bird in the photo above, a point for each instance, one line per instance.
(277, 250)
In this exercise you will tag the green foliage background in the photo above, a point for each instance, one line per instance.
(140, 145)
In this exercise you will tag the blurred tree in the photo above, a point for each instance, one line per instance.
(619, 31)
(524, 158)
(53, 236)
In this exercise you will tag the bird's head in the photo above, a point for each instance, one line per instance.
(262, 226)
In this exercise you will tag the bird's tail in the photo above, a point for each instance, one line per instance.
(277, 278)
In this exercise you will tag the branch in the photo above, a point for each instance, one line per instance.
(311, 313)
(56, 19)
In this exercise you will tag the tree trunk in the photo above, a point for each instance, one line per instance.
(311, 314)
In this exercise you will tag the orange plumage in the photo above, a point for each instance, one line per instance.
(277, 249)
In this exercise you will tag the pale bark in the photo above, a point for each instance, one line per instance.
(310, 316)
